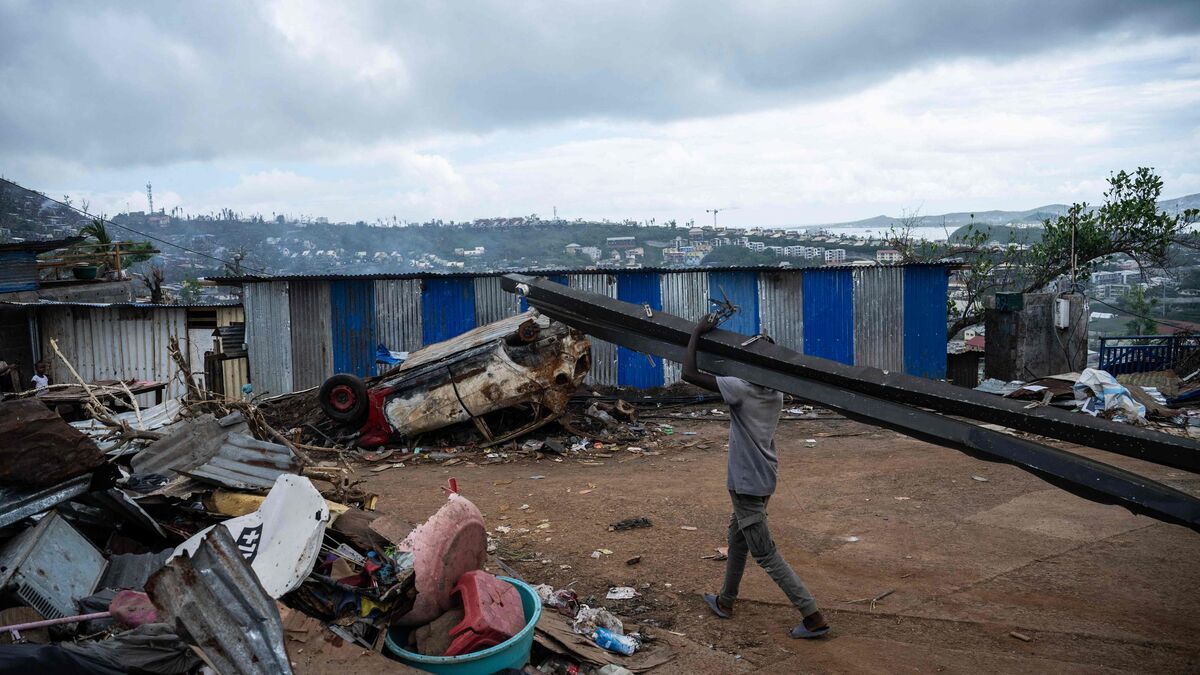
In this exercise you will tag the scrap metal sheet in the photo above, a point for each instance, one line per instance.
(217, 599)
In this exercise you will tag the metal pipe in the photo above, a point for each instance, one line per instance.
(16, 628)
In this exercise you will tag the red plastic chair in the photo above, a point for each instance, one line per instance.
(493, 613)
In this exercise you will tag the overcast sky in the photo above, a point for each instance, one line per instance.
(781, 112)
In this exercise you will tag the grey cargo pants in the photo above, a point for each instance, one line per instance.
(748, 533)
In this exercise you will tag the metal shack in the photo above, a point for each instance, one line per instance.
(301, 329)
(122, 341)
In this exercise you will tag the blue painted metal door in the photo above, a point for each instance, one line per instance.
(447, 308)
(634, 369)
(352, 326)
(556, 278)
(925, 294)
(829, 314)
(742, 290)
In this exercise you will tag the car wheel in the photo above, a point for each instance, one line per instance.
(343, 399)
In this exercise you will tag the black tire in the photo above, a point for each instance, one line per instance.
(343, 399)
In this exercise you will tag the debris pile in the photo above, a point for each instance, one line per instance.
(206, 531)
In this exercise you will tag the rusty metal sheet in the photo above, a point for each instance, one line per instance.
(19, 502)
(218, 601)
(244, 462)
(40, 448)
(190, 443)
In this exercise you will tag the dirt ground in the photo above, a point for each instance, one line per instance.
(858, 513)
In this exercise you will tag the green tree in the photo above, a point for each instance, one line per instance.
(738, 255)
(1141, 309)
(1128, 223)
(189, 292)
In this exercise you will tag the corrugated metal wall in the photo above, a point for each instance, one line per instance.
(312, 352)
(781, 306)
(352, 326)
(888, 317)
(635, 369)
(115, 343)
(829, 314)
(268, 321)
(741, 288)
(398, 314)
(925, 292)
(18, 271)
(879, 317)
(447, 308)
(684, 295)
(492, 302)
(604, 354)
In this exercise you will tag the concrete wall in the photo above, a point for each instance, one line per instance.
(1023, 343)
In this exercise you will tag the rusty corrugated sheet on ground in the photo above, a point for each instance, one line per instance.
(683, 295)
(244, 462)
(604, 354)
(17, 502)
(191, 443)
(879, 317)
(227, 614)
(781, 302)
(398, 313)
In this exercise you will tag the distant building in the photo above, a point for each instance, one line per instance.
(756, 246)
(888, 256)
(591, 252)
(620, 243)
(835, 256)
(572, 249)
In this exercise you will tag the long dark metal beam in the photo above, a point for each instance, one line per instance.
(1123, 439)
(1080, 475)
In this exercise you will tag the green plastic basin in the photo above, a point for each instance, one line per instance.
(512, 653)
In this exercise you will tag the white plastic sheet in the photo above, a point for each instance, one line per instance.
(282, 538)
(1097, 390)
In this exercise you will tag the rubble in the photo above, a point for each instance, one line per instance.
(41, 449)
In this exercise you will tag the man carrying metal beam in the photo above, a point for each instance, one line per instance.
(753, 466)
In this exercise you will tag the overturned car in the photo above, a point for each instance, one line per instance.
(505, 378)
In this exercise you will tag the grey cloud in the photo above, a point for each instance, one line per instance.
(165, 82)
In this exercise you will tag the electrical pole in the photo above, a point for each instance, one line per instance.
(150, 197)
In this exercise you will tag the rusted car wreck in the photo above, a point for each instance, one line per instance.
(506, 378)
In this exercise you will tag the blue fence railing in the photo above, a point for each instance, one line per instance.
(1145, 353)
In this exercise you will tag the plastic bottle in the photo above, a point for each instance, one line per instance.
(620, 644)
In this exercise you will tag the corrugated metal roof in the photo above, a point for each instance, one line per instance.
(253, 279)
(18, 503)
(18, 271)
(105, 305)
(191, 443)
(217, 597)
(41, 245)
(246, 463)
